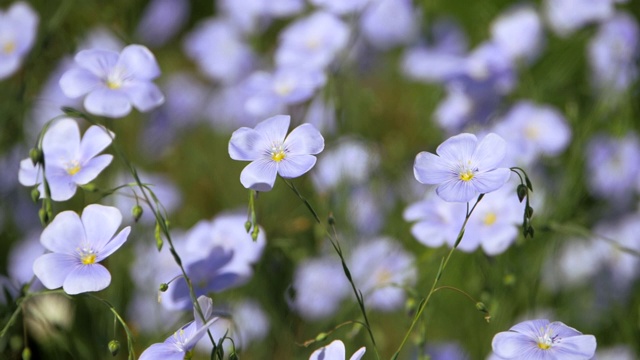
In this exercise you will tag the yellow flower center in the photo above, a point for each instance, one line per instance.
(466, 176)
(489, 219)
(544, 346)
(277, 152)
(73, 167)
(8, 47)
(531, 132)
(88, 259)
(113, 85)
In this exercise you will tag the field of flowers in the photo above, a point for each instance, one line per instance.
(320, 179)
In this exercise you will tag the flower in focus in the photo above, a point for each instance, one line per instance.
(114, 82)
(18, 27)
(542, 340)
(69, 160)
(78, 244)
(463, 167)
(272, 152)
(176, 346)
(335, 351)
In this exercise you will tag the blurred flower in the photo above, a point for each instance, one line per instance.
(185, 339)
(380, 269)
(567, 16)
(335, 351)
(315, 297)
(446, 351)
(464, 168)
(613, 54)
(272, 152)
(161, 20)
(114, 82)
(399, 17)
(219, 50)
(542, 340)
(532, 130)
(321, 113)
(341, 7)
(21, 258)
(613, 166)
(438, 221)
(351, 161)
(69, 160)
(78, 245)
(18, 26)
(519, 33)
(251, 16)
(618, 352)
(312, 42)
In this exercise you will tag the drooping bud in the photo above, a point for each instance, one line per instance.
(44, 218)
(114, 347)
(136, 211)
(164, 287)
(321, 336)
(36, 156)
(247, 226)
(35, 195)
(522, 192)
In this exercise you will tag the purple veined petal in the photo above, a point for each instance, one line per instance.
(114, 244)
(456, 191)
(490, 152)
(77, 82)
(575, 347)
(335, 350)
(52, 269)
(293, 166)
(61, 185)
(165, 351)
(91, 170)
(98, 62)
(64, 233)
(107, 102)
(358, 354)
(247, 144)
(144, 95)
(564, 331)
(457, 148)
(486, 182)
(198, 334)
(94, 140)
(303, 140)
(61, 141)
(431, 169)
(511, 345)
(260, 175)
(100, 224)
(275, 128)
(531, 328)
(86, 278)
(29, 175)
(9, 65)
(139, 61)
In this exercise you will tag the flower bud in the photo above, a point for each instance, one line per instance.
(36, 156)
(35, 195)
(164, 287)
(234, 356)
(247, 226)
(26, 354)
(321, 336)
(114, 347)
(136, 211)
(44, 218)
(522, 192)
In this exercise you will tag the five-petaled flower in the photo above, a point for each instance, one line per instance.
(18, 27)
(78, 244)
(272, 152)
(542, 340)
(114, 82)
(463, 167)
(177, 346)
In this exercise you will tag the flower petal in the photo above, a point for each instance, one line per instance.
(304, 140)
(77, 82)
(61, 185)
(490, 152)
(92, 169)
(107, 102)
(94, 277)
(358, 354)
(64, 234)
(139, 62)
(456, 191)
(458, 148)
(61, 142)
(144, 95)
(114, 244)
(293, 166)
(52, 269)
(94, 140)
(335, 350)
(510, 345)
(247, 144)
(100, 223)
(576, 347)
(165, 350)
(274, 129)
(486, 182)
(206, 305)
(260, 175)
(431, 169)
(98, 62)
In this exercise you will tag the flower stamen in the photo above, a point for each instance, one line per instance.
(73, 167)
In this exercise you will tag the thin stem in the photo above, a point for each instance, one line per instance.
(132, 354)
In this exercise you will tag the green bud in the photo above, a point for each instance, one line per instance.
(36, 156)
(44, 218)
(254, 233)
(331, 220)
(90, 187)
(321, 337)
(35, 195)
(247, 226)
(522, 192)
(158, 236)
(164, 287)
(481, 307)
(529, 231)
(136, 211)
(234, 356)
(114, 347)
(26, 354)
(529, 211)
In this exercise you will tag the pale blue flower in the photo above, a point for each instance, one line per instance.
(613, 165)
(335, 351)
(341, 7)
(272, 152)
(161, 20)
(315, 297)
(519, 32)
(18, 26)
(78, 245)
(567, 16)
(542, 340)
(114, 82)
(399, 17)
(464, 167)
